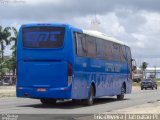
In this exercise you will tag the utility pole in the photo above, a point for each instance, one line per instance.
(155, 72)
(1, 67)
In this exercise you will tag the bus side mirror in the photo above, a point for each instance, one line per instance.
(134, 66)
(133, 60)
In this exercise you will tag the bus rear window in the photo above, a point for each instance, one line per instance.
(43, 37)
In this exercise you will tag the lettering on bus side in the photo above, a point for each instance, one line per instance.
(112, 67)
(109, 67)
(117, 68)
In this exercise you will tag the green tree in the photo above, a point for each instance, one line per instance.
(143, 68)
(2, 71)
(12, 61)
(4, 39)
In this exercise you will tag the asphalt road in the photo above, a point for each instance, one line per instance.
(15, 105)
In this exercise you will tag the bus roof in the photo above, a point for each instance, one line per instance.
(88, 32)
(102, 36)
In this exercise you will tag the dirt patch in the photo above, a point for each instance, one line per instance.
(7, 91)
(136, 88)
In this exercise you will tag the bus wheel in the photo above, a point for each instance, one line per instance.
(156, 87)
(90, 99)
(48, 101)
(121, 96)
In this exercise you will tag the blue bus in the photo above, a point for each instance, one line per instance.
(60, 61)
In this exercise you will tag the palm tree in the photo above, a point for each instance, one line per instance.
(144, 67)
(4, 39)
(14, 39)
(13, 48)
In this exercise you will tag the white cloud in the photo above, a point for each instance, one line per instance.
(36, 2)
(132, 21)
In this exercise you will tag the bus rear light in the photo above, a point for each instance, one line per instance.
(69, 73)
(69, 69)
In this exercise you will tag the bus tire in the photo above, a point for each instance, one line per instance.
(121, 96)
(90, 99)
(48, 101)
(156, 87)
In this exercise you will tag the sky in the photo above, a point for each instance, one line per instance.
(135, 22)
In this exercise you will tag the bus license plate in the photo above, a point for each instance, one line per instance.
(41, 89)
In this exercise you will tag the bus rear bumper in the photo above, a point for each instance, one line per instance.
(38, 93)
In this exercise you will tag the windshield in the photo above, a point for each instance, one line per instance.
(43, 37)
(147, 80)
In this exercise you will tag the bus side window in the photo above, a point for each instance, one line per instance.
(91, 46)
(129, 60)
(116, 52)
(80, 44)
(100, 48)
(107, 50)
(128, 54)
(75, 41)
(122, 53)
